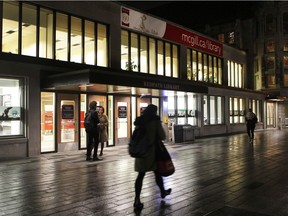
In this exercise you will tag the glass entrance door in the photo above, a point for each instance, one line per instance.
(122, 120)
(67, 122)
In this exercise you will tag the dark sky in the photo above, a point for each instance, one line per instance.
(195, 14)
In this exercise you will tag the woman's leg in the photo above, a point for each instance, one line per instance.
(159, 181)
(102, 147)
(138, 186)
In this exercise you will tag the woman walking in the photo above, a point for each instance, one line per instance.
(150, 121)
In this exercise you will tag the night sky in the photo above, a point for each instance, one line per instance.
(195, 14)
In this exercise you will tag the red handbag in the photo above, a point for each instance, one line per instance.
(165, 164)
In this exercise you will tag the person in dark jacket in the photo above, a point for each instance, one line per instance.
(251, 120)
(93, 135)
(154, 130)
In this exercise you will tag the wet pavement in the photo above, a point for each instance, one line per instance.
(215, 176)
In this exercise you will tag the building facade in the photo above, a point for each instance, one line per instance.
(264, 37)
(57, 57)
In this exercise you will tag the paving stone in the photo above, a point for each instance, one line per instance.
(215, 176)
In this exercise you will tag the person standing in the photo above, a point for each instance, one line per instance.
(154, 130)
(103, 136)
(251, 120)
(93, 134)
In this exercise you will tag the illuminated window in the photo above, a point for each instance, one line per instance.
(10, 30)
(10, 107)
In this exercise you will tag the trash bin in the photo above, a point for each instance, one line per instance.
(178, 133)
(188, 133)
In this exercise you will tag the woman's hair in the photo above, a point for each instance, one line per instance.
(101, 107)
(151, 109)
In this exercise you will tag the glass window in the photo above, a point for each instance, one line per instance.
(89, 43)
(61, 37)
(221, 38)
(76, 40)
(205, 110)
(168, 59)
(10, 31)
(189, 65)
(270, 46)
(192, 108)
(285, 62)
(124, 50)
(200, 67)
(205, 67)
(285, 48)
(212, 109)
(220, 71)
(220, 110)
(28, 30)
(231, 38)
(194, 65)
(237, 110)
(102, 46)
(181, 108)
(285, 80)
(210, 69)
(134, 52)
(175, 61)
(46, 34)
(235, 74)
(160, 57)
(143, 54)
(215, 69)
(83, 110)
(47, 122)
(10, 107)
(152, 56)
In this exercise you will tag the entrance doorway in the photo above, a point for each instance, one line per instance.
(67, 122)
(122, 115)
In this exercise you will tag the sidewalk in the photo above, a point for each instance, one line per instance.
(216, 176)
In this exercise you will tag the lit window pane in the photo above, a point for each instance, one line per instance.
(143, 54)
(89, 57)
(76, 40)
(175, 61)
(47, 122)
(167, 59)
(134, 52)
(61, 37)
(46, 34)
(152, 56)
(10, 31)
(124, 50)
(160, 56)
(102, 47)
(10, 107)
(28, 30)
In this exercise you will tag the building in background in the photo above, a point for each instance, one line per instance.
(264, 37)
(57, 57)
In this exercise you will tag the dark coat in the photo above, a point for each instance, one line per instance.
(153, 128)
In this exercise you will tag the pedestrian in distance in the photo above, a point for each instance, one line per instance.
(154, 132)
(251, 120)
(103, 136)
(92, 120)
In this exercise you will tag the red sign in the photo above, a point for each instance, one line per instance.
(48, 120)
(193, 40)
(82, 114)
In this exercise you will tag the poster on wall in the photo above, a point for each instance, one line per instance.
(122, 112)
(67, 112)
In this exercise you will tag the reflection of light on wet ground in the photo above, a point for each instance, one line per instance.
(213, 175)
